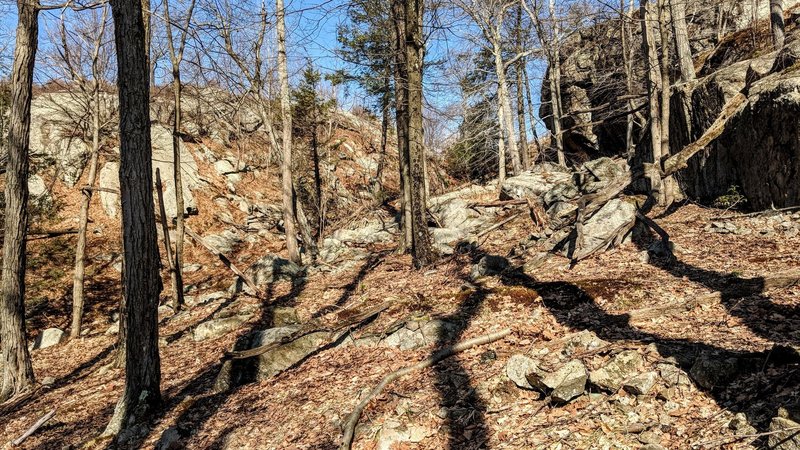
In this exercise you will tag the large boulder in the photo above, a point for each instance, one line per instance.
(784, 434)
(48, 338)
(536, 183)
(373, 231)
(617, 371)
(215, 328)
(614, 219)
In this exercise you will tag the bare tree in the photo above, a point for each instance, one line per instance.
(653, 71)
(16, 361)
(551, 43)
(176, 58)
(141, 280)
(489, 16)
(401, 108)
(778, 26)
(89, 90)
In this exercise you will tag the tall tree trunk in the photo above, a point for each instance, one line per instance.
(83, 221)
(401, 109)
(555, 85)
(141, 280)
(521, 88)
(16, 361)
(681, 32)
(625, 38)
(671, 190)
(778, 27)
(653, 89)
(287, 189)
(317, 174)
(422, 252)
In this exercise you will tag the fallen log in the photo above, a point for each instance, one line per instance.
(352, 419)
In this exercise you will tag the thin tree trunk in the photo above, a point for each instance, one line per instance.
(141, 282)
(80, 248)
(16, 361)
(286, 119)
(681, 32)
(627, 61)
(422, 252)
(653, 90)
(504, 115)
(778, 26)
(531, 112)
(401, 109)
(521, 88)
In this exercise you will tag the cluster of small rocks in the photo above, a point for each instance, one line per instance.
(786, 225)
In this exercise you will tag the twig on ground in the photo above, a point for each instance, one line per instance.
(352, 420)
(33, 429)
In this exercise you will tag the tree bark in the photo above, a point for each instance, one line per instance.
(653, 89)
(16, 361)
(681, 32)
(671, 191)
(287, 189)
(521, 88)
(627, 58)
(778, 26)
(401, 110)
(141, 280)
(555, 85)
(504, 116)
(422, 252)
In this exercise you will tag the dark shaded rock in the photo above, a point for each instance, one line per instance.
(712, 369)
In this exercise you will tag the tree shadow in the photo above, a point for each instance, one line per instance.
(751, 384)
(373, 261)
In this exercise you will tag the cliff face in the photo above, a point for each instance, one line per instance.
(758, 152)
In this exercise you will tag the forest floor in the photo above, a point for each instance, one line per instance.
(465, 401)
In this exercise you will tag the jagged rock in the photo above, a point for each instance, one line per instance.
(713, 369)
(517, 369)
(218, 327)
(564, 384)
(226, 168)
(787, 434)
(602, 171)
(536, 183)
(393, 433)
(581, 341)
(620, 368)
(225, 242)
(489, 265)
(445, 239)
(283, 316)
(561, 192)
(48, 338)
(641, 384)
(615, 216)
(419, 333)
(265, 271)
(453, 213)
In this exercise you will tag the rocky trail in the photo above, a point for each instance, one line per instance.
(631, 347)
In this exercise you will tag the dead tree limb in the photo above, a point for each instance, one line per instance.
(99, 189)
(225, 260)
(313, 327)
(36, 426)
(352, 420)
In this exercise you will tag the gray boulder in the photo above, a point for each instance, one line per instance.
(108, 179)
(218, 327)
(48, 338)
(615, 218)
(518, 368)
(226, 242)
(564, 384)
(415, 334)
(641, 384)
(489, 265)
(372, 232)
(536, 183)
(620, 368)
(39, 194)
